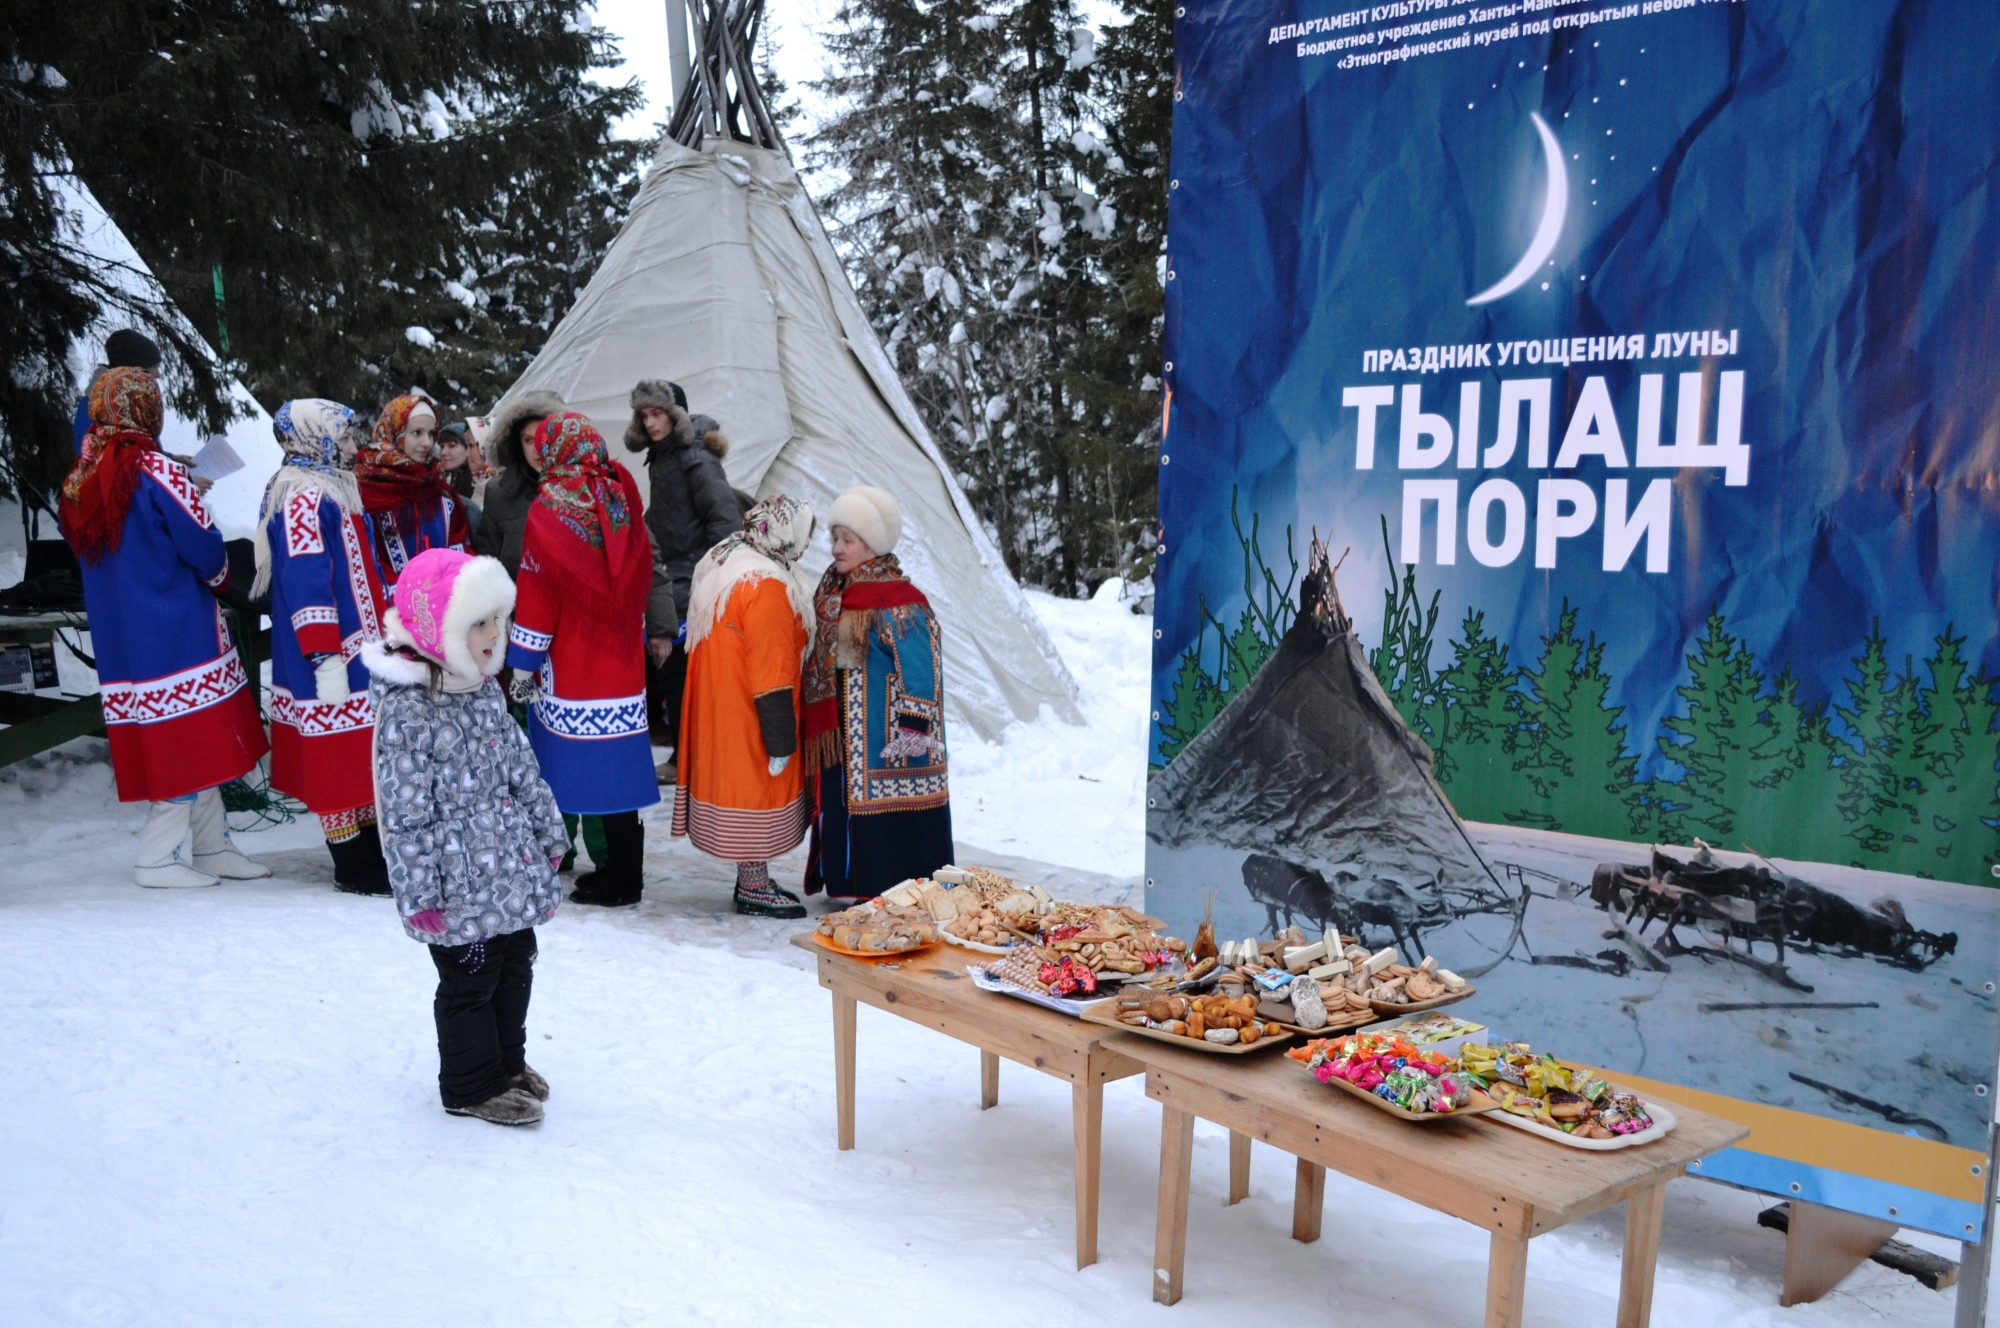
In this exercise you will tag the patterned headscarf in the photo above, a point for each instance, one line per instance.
(586, 513)
(384, 453)
(844, 609)
(579, 484)
(393, 487)
(776, 533)
(310, 430)
(125, 418)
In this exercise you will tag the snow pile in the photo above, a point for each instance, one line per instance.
(234, 500)
(1059, 792)
(221, 1108)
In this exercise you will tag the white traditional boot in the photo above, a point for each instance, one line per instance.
(160, 865)
(214, 851)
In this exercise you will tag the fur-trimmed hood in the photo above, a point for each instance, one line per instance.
(530, 406)
(448, 596)
(396, 669)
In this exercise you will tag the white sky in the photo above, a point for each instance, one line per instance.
(793, 27)
(641, 29)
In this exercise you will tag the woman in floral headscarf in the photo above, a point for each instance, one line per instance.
(741, 793)
(578, 647)
(178, 707)
(312, 552)
(410, 506)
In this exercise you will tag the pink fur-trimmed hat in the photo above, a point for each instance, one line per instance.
(440, 594)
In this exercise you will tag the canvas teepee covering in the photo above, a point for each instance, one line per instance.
(723, 280)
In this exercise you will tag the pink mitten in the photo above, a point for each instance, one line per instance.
(430, 920)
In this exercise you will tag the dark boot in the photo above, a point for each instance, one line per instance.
(760, 897)
(620, 880)
(358, 868)
(371, 835)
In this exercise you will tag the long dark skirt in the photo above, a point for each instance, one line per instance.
(858, 857)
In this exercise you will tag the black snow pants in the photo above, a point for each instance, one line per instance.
(482, 1015)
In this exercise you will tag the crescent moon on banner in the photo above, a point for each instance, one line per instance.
(1554, 208)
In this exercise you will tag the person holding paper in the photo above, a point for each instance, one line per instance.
(312, 553)
(180, 710)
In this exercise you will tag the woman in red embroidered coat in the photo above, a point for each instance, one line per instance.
(178, 708)
(578, 646)
(410, 506)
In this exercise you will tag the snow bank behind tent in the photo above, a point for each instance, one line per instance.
(234, 500)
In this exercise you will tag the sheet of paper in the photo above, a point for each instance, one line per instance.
(217, 459)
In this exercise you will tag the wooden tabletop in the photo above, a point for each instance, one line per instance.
(1457, 1158)
(933, 989)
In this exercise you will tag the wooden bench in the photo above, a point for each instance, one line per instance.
(1514, 1185)
(933, 989)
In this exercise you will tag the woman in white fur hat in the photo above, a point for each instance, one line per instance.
(875, 753)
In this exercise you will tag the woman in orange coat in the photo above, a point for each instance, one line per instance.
(741, 793)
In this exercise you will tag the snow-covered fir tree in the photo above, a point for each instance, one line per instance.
(355, 197)
(971, 154)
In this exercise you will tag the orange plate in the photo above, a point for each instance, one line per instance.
(877, 955)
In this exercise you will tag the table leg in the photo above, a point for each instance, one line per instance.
(1087, 1123)
(1170, 1230)
(1506, 1279)
(843, 1068)
(1643, 1214)
(989, 1080)
(1239, 1167)
(1308, 1202)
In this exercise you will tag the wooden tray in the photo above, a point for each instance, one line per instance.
(1663, 1122)
(1480, 1103)
(820, 939)
(1104, 1012)
(1387, 1008)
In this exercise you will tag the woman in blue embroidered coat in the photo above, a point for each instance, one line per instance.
(178, 708)
(312, 553)
(578, 646)
(874, 713)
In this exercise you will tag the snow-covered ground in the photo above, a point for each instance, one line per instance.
(220, 1108)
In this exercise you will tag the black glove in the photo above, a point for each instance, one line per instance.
(521, 687)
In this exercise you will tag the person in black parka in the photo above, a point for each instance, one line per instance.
(691, 510)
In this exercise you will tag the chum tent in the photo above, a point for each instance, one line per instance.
(723, 280)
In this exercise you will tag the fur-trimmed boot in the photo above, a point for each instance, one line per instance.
(515, 1106)
(619, 882)
(760, 897)
(214, 851)
(159, 865)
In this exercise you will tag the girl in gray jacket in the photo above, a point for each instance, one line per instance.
(470, 832)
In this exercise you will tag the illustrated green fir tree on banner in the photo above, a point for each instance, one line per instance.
(1898, 772)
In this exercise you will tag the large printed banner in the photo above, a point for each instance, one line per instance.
(1637, 367)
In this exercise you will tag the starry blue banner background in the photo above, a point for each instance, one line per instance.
(1814, 175)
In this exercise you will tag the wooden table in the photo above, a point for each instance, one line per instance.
(37, 723)
(932, 989)
(1511, 1183)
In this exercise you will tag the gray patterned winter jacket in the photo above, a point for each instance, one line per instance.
(468, 826)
